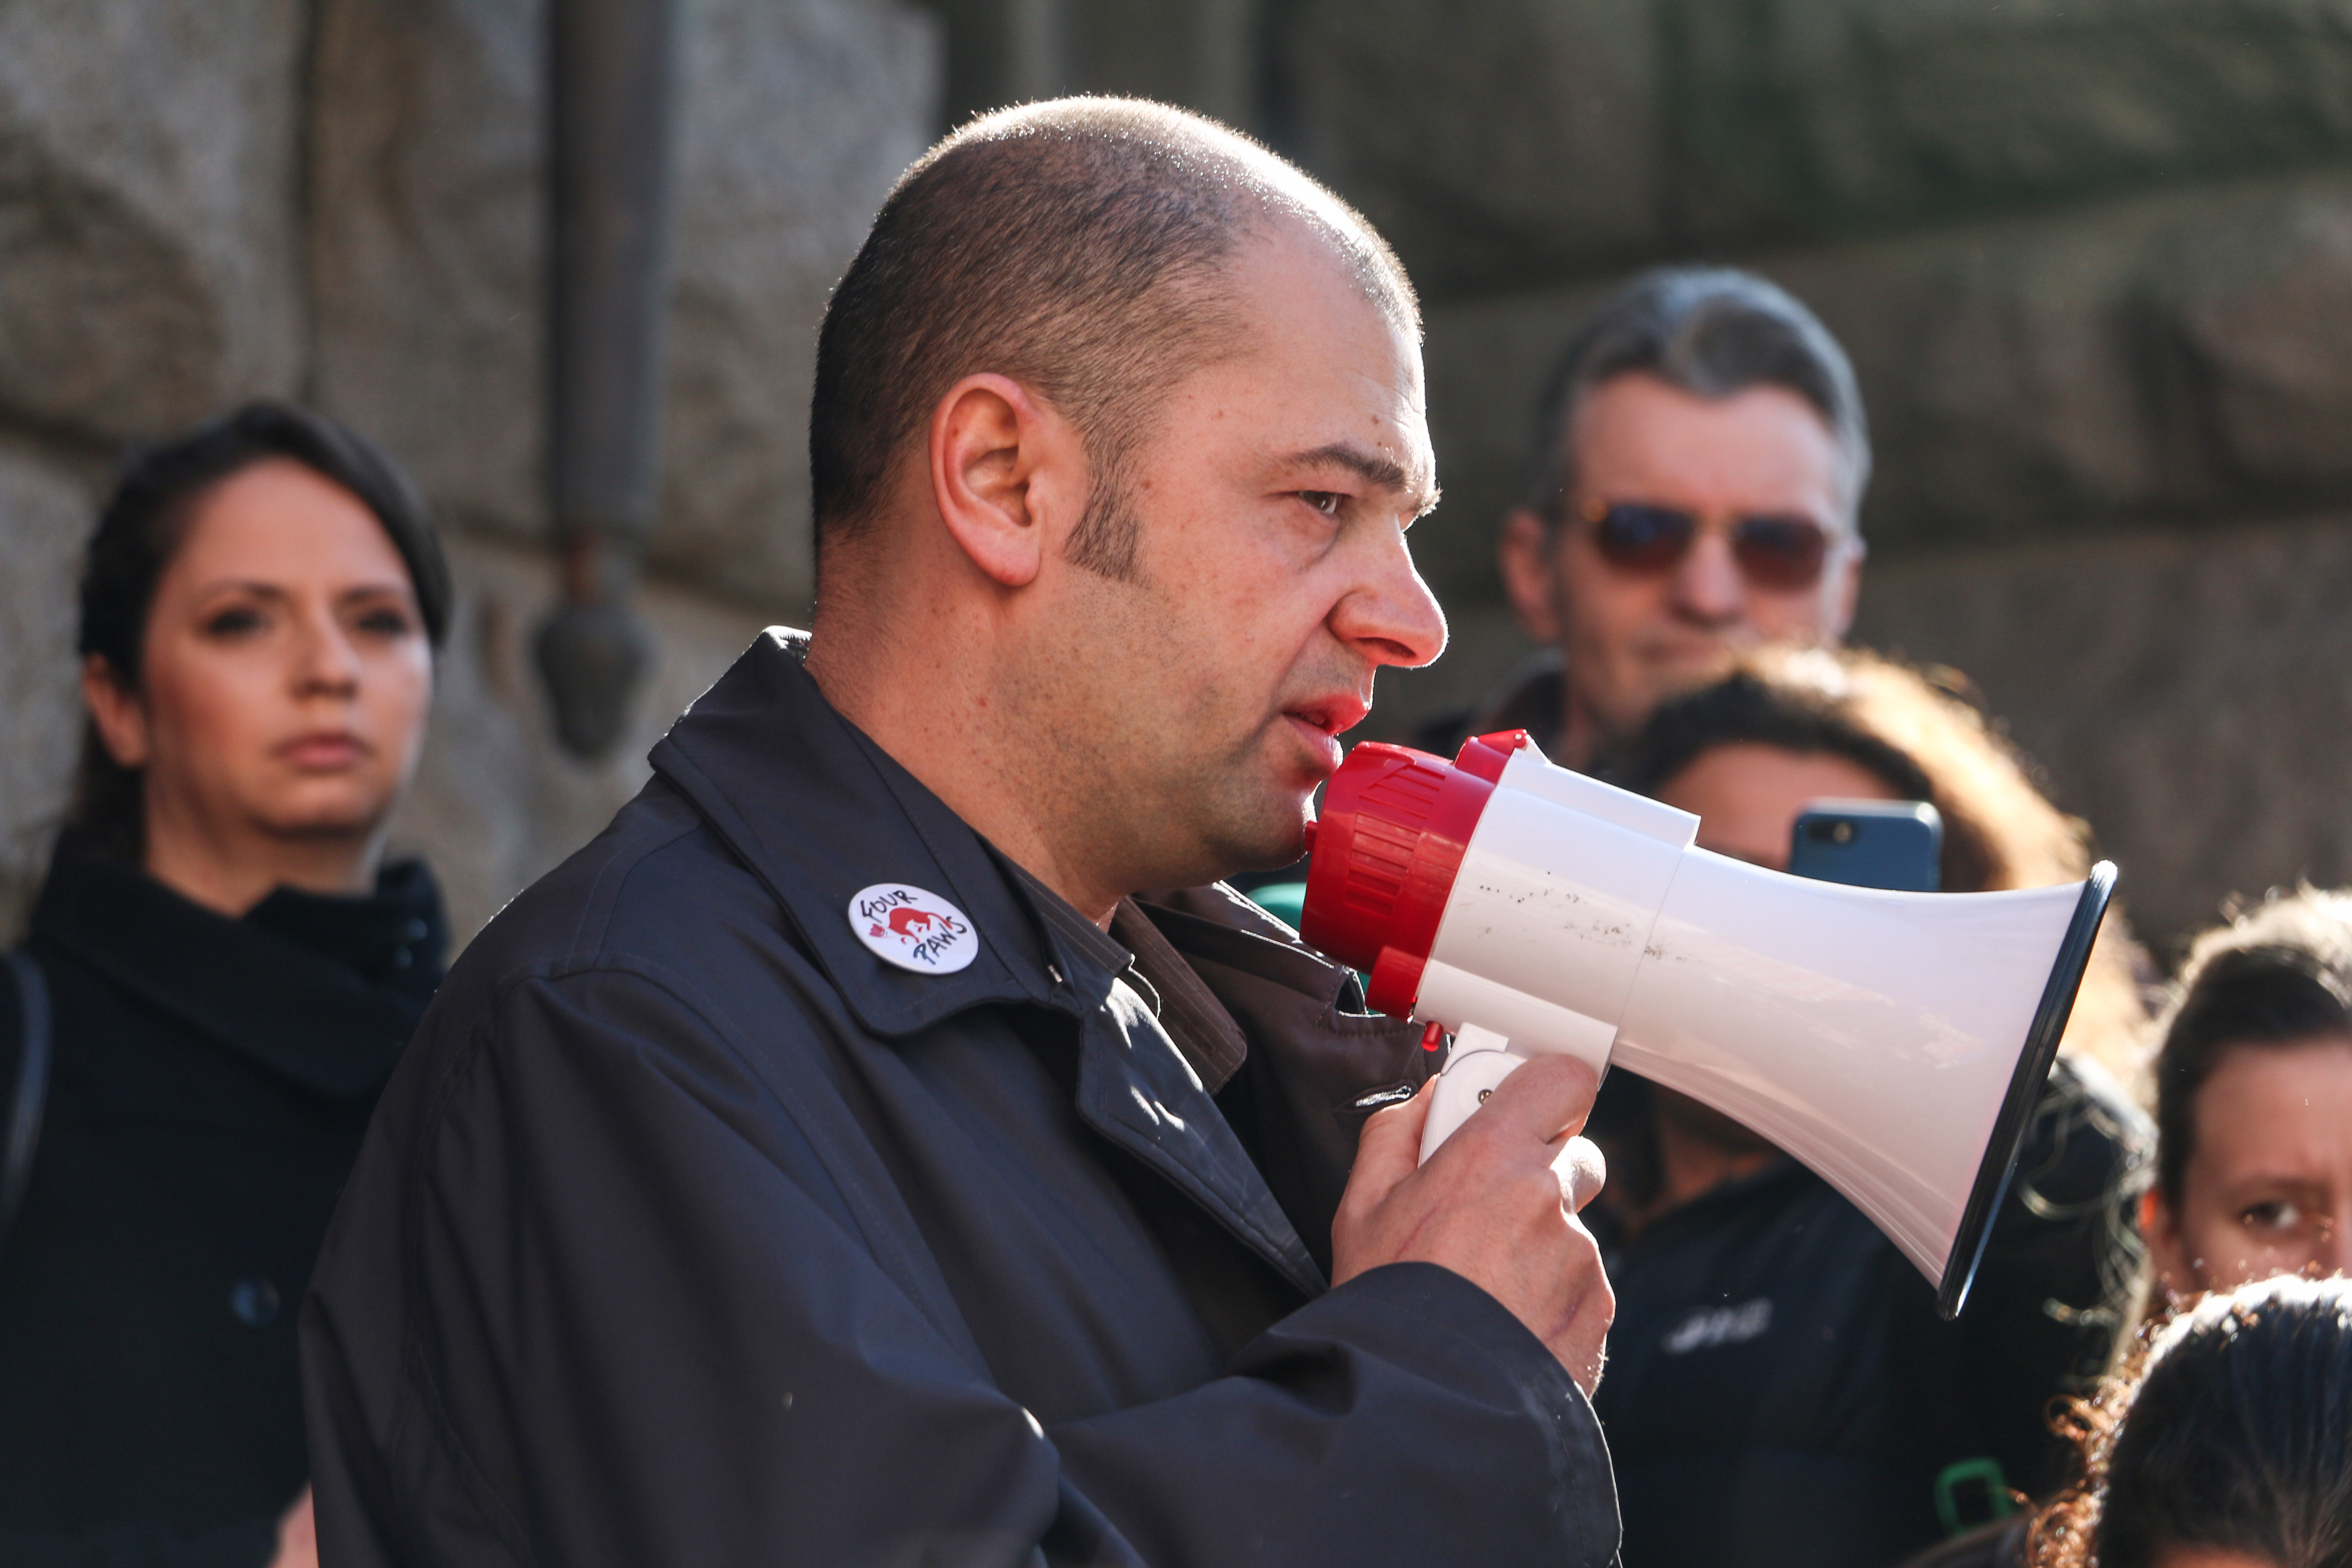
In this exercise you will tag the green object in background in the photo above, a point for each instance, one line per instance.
(1984, 1472)
(1286, 901)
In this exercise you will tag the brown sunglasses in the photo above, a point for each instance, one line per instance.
(1773, 551)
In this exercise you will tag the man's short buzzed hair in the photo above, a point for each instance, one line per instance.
(1076, 246)
(1710, 330)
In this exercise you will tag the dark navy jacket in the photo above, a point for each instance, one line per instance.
(691, 1232)
(211, 1081)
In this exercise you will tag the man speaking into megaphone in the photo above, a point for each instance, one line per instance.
(844, 1160)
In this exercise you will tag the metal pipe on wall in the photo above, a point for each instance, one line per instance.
(612, 94)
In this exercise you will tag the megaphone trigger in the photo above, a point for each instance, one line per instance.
(1481, 1060)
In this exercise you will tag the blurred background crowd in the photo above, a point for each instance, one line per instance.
(2091, 265)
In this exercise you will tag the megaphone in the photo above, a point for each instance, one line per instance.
(1896, 1042)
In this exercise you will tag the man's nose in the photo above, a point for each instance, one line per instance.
(1392, 616)
(1707, 586)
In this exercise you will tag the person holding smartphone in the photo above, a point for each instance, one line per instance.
(1772, 1352)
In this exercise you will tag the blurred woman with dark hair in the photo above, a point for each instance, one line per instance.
(1773, 1353)
(220, 973)
(2226, 1444)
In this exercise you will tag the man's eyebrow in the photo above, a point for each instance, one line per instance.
(1374, 469)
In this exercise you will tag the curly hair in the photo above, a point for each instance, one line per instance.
(2230, 1430)
(1918, 733)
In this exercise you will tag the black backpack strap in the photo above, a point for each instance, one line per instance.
(20, 1130)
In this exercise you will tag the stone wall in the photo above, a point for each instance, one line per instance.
(2189, 692)
(2093, 263)
(339, 200)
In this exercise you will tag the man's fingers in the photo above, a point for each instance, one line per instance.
(1389, 1145)
(1386, 1150)
(1545, 1101)
(1582, 1172)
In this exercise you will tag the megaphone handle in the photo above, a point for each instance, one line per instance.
(1480, 1059)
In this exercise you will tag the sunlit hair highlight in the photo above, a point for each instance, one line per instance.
(1919, 735)
(2229, 1430)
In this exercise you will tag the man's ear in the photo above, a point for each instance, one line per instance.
(1008, 475)
(1525, 555)
(121, 717)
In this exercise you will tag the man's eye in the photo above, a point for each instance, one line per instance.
(1328, 503)
(2278, 1215)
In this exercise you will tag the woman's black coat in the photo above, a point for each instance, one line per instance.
(210, 1081)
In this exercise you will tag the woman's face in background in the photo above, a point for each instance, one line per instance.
(285, 676)
(2268, 1187)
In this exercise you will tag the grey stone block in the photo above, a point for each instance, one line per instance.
(799, 114)
(2263, 303)
(1523, 141)
(1497, 145)
(796, 116)
(1818, 115)
(149, 262)
(44, 517)
(2165, 357)
(2189, 692)
(426, 209)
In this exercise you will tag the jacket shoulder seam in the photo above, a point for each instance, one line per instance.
(596, 911)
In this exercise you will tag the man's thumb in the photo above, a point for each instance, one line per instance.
(1389, 1148)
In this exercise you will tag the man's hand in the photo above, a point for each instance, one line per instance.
(1496, 1204)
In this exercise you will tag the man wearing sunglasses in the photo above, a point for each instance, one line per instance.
(1698, 465)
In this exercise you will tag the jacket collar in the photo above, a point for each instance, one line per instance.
(819, 813)
(321, 990)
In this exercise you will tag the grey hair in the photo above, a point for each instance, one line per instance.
(1712, 331)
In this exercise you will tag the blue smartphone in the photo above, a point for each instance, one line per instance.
(1897, 845)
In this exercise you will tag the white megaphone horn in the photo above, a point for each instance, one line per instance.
(1896, 1042)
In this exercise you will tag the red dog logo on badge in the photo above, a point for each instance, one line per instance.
(913, 929)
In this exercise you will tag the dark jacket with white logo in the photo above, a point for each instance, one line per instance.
(692, 1232)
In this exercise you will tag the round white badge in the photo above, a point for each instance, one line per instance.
(913, 929)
